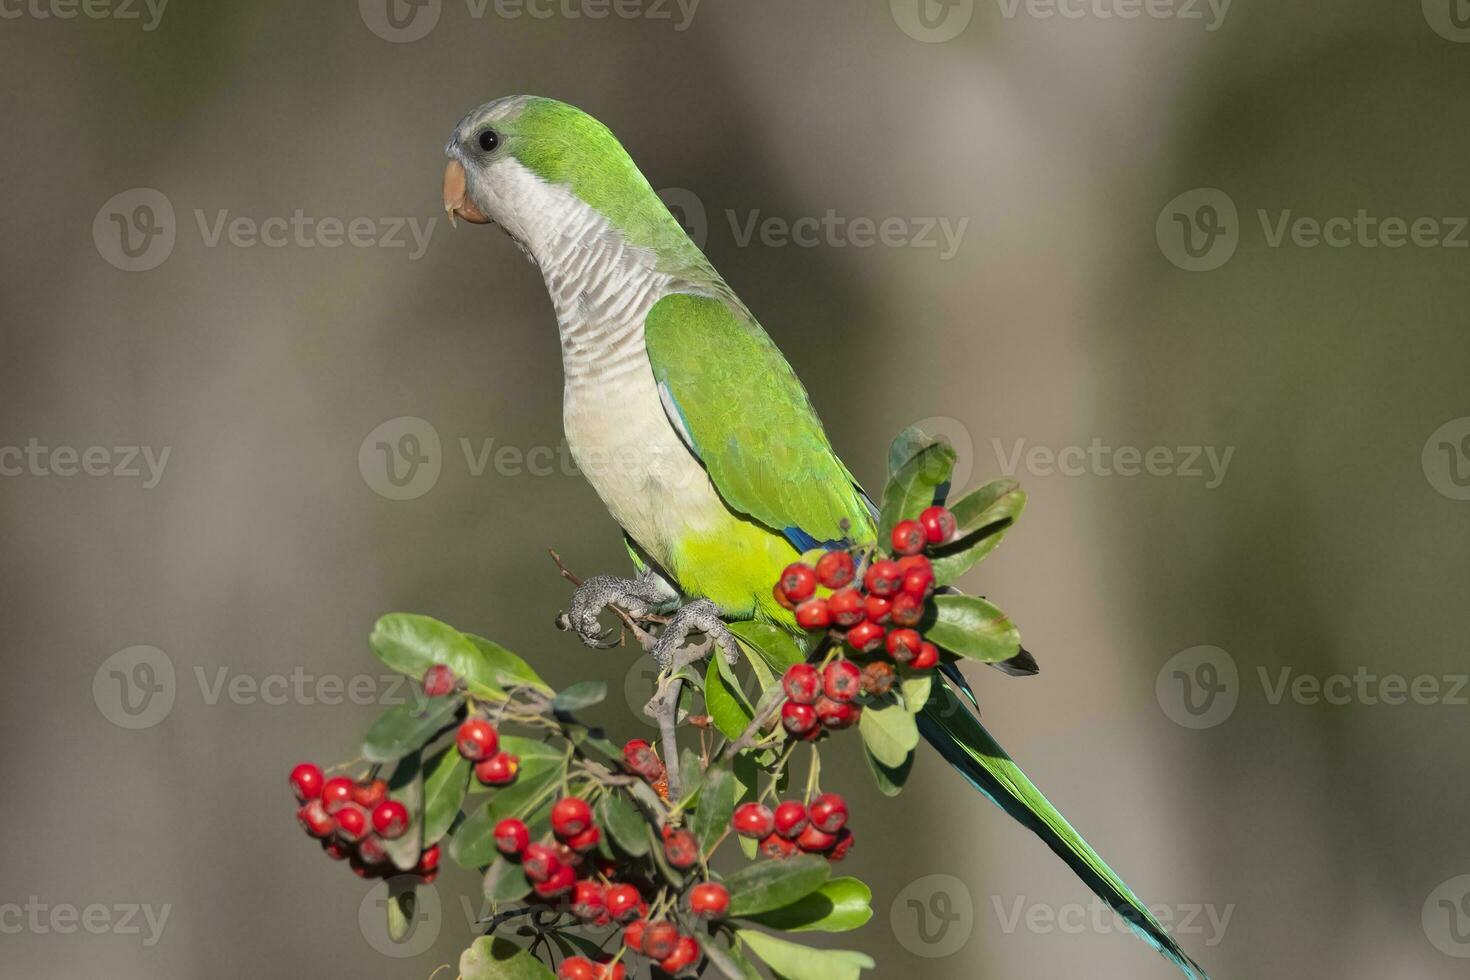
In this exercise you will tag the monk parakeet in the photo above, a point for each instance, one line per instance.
(693, 429)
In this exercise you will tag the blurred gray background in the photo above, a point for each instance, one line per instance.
(1131, 275)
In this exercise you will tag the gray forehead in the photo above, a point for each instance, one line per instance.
(491, 112)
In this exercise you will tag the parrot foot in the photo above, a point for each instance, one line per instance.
(637, 597)
(701, 616)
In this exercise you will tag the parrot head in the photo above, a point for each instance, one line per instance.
(540, 168)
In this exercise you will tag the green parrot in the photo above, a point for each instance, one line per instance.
(694, 430)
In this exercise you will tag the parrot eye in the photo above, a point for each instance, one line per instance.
(489, 140)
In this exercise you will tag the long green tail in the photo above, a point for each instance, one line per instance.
(951, 728)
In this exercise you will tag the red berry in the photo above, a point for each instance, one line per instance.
(477, 739)
(865, 637)
(570, 816)
(798, 581)
(539, 862)
(927, 657)
(639, 756)
(878, 678)
(828, 813)
(429, 861)
(680, 847)
(814, 614)
(588, 902)
(315, 819)
(607, 970)
(846, 607)
(586, 841)
(685, 955)
(352, 823)
(918, 582)
(660, 938)
(939, 525)
(836, 569)
(633, 935)
(903, 645)
(576, 968)
(561, 881)
(908, 538)
(335, 850)
(814, 841)
(781, 599)
(498, 770)
(877, 608)
(837, 715)
(370, 850)
(883, 578)
(622, 901)
(369, 794)
(842, 680)
(802, 683)
(512, 836)
(907, 610)
(390, 819)
(791, 819)
(798, 719)
(306, 782)
(843, 845)
(337, 792)
(753, 820)
(439, 680)
(709, 900)
(775, 846)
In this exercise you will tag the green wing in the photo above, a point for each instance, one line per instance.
(742, 411)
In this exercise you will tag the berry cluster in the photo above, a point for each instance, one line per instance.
(353, 819)
(639, 756)
(878, 612)
(821, 698)
(479, 742)
(564, 867)
(816, 828)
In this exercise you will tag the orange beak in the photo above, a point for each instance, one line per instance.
(456, 196)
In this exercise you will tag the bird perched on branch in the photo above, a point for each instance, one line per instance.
(722, 473)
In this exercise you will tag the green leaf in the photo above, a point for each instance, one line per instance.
(411, 644)
(747, 781)
(473, 844)
(494, 958)
(797, 962)
(406, 785)
(724, 705)
(506, 668)
(915, 691)
(905, 446)
(776, 646)
(889, 732)
(916, 485)
(775, 883)
(984, 517)
(691, 775)
(890, 779)
(716, 804)
(444, 792)
(840, 905)
(530, 749)
(506, 881)
(623, 822)
(731, 964)
(580, 695)
(971, 627)
(406, 728)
